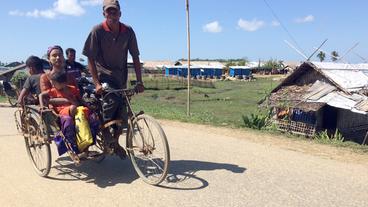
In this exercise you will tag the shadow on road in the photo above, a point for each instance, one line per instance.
(182, 174)
(109, 172)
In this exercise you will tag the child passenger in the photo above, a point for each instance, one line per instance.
(32, 84)
(64, 98)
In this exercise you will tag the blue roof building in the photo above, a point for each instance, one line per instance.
(196, 70)
(240, 71)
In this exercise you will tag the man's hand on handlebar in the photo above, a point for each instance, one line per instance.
(139, 88)
(99, 88)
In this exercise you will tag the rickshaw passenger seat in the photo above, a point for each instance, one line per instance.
(52, 122)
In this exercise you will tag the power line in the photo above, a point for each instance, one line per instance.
(283, 26)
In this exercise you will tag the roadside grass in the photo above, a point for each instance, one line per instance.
(3, 99)
(223, 105)
(339, 143)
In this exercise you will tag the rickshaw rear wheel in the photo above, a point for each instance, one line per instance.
(38, 149)
(12, 101)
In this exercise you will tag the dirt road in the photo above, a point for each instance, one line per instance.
(210, 167)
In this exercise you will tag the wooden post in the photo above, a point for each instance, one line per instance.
(188, 45)
(365, 139)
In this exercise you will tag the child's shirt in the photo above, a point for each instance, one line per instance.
(70, 93)
(32, 84)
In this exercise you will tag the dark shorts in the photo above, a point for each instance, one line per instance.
(114, 105)
(113, 108)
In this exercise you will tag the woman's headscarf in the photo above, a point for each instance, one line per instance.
(53, 48)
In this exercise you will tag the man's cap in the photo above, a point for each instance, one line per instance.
(111, 4)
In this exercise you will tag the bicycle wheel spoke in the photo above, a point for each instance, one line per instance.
(152, 161)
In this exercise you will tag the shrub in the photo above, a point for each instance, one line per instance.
(255, 121)
(338, 136)
(326, 138)
(18, 79)
(322, 136)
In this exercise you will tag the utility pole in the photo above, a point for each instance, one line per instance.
(188, 45)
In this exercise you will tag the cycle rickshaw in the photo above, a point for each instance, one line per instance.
(146, 142)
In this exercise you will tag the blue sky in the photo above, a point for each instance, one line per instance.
(219, 29)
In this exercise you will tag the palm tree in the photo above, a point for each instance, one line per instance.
(334, 56)
(321, 55)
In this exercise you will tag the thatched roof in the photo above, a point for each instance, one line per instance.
(292, 96)
(300, 71)
(340, 86)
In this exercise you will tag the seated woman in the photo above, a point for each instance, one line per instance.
(64, 99)
(64, 96)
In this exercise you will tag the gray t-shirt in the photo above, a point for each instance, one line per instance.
(110, 52)
(32, 84)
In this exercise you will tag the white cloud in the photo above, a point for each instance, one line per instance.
(49, 14)
(275, 23)
(16, 13)
(69, 7)
(60, 7)
(91, 2)
(213, 27)
(309, 18)
(250, 26)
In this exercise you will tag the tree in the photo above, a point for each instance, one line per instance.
(334, 56)
(274, 64)
(243, 62)
(45, 56)
(321, 55)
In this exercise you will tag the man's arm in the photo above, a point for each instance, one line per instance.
(138, 74)
(93, 70)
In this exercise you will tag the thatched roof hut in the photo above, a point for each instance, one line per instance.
(324, 96)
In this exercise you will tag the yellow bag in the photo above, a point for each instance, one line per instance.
(83, 131)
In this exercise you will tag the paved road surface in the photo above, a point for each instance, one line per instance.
(210, 167)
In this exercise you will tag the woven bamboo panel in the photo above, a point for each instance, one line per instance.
(294, 127)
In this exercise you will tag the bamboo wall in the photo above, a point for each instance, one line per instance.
(353, 126)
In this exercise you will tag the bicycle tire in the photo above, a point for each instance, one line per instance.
(145, 138)
(36, 146)
(13, 101)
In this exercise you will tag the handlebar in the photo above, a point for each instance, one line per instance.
(86, 85)
(124, 92)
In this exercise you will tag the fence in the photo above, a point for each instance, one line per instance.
(294, 127)
(160, 82)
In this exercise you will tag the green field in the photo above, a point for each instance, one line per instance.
(222, 105)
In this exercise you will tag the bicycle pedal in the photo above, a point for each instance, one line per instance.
(74, 158)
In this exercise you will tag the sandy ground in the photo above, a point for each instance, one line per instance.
(209, 167)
